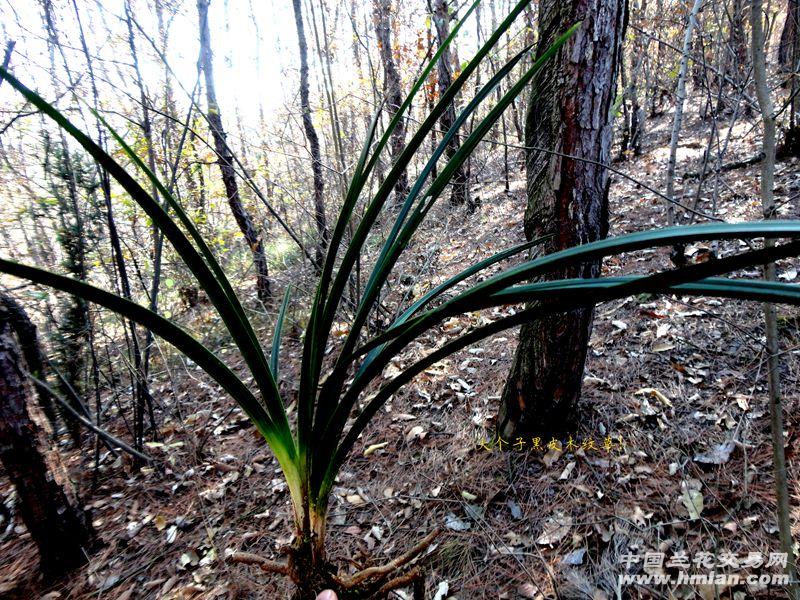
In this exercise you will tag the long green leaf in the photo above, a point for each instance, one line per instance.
(437, 291)
(353, 251)
(332, 387)
(398, 240)
(186, 344)
(666, 236)
(274, 356)
(359, 179)
(469, 301)
(162, 327)
(206, 252)
(588, 289)
(252, 352)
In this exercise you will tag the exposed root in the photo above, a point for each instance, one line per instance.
(372, 582)
(387, 569)
(262, 563)
(414, 577)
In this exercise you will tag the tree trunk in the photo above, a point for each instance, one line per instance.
(677, 121)
(789, 61)
(789, 34)
(635, 119)
(121, 278)
(770, 315)
(28, 338)
(225, 160)
(680, 98)
(324, 53)
(569, 112)
(60, 166)
(311, 136)
(141, 364)
(459, 195)
(392, 89)
(61, 530)
(737, 44)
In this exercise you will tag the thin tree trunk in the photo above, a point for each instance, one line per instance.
(789, 35)
(158, 236)
(570, 112)
(74, 328)
(225, 160)
(459, 195)
(311, 136)
(392, 90)
(770, 315)
(49, 507)
(656, 90)
(503, 123)
(431, 88)
(634, 118)
(143, 398)
(677, 121)
(794, 113)
(737, 42)
(324, 53)
(122, 280)
(789, 61)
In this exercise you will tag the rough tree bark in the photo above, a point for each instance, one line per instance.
(392, 90)
(311, 136)
(737, 44)
(28, 338)
(225, 160)
(570, 113)
(61, 530)
(789, 34)
(441, 17)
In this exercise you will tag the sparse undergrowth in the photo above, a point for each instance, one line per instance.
(221, 491)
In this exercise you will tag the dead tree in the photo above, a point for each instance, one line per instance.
(226, 161)
(48, 504)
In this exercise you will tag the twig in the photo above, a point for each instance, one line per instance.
(739, 164)
(753, 103)
(107, 437)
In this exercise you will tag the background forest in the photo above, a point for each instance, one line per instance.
(534, 435)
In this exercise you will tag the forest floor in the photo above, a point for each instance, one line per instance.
(676, 385)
